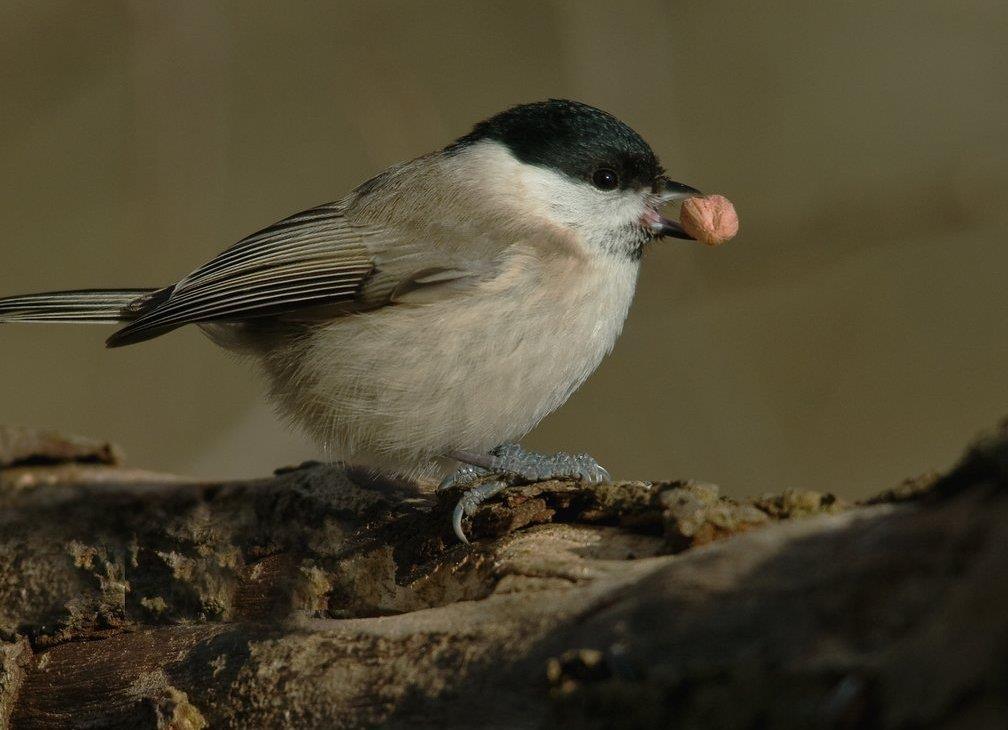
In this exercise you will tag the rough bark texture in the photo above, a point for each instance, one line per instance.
(322, 598)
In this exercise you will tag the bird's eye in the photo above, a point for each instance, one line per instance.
(605, 179)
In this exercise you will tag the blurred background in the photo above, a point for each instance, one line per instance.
(853, 335)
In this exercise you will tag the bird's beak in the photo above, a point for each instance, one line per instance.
(668, 191)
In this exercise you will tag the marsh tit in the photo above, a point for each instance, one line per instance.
(436, 313)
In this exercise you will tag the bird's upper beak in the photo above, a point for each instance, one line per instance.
(667, 191)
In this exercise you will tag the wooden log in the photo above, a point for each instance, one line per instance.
(325, 598)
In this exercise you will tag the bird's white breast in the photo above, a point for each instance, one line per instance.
(402, 385)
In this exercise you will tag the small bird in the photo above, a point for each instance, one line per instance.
(425, 322)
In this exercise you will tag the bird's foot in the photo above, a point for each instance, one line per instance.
(528, 466)
(519, 467)
(465, 474)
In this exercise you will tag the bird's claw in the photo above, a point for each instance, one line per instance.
(471, 499)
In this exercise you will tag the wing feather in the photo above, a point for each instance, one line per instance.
(306, 260)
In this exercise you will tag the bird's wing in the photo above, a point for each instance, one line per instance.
(310, 260)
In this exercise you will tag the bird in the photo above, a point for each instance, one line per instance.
(422, 324)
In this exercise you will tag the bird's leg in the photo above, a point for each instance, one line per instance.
(511, 460)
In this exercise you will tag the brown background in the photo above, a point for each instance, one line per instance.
(855, 333)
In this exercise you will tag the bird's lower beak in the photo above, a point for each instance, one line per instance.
(668, 191)
(665, 227)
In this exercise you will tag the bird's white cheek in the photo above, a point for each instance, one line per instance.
(609, 218)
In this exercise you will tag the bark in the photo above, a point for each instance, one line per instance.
(322, 597)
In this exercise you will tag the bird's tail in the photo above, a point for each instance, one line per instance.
(90, 306)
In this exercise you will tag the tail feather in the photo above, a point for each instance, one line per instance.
(90, 306)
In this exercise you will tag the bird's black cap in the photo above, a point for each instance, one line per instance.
(571, 137)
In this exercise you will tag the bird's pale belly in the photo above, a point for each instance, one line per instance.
(398, 387)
